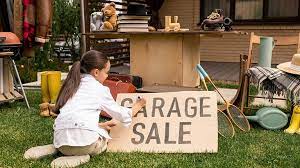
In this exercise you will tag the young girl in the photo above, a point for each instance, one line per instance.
(77, 133)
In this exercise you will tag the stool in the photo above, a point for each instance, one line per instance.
(16, 95)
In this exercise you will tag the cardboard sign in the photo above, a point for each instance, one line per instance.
(171, 122)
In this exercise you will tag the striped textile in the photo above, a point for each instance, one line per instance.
(273, 81)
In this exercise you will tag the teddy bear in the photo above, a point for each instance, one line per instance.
(110, 17)
(96, 21)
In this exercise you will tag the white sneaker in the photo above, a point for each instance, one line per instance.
(69, 161)
(38, 152)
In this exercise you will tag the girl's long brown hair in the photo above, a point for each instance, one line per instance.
(90, 60)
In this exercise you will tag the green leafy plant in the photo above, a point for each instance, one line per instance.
(66, 23)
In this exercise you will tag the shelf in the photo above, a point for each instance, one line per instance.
(121, 58)
(110, 34)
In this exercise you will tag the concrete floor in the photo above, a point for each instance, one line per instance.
(222, 71)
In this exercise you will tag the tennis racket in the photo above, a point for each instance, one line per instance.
(233, 112)
(225, 127)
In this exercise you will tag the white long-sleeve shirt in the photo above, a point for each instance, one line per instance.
(77, 123)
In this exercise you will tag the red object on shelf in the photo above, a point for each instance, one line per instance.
(118, 87)
(135, 80)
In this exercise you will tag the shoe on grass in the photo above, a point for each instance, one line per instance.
(44, 110)
(51, 108)
(70, 161)
(38, 152)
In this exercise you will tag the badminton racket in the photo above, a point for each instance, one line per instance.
(233, 112)
(225, 127)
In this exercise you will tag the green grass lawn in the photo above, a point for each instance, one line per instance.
(22, 128)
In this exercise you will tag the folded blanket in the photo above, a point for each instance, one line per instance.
(273, 81)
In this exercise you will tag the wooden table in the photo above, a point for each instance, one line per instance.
(167, 58)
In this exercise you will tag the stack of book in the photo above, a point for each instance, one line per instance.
(132, 23)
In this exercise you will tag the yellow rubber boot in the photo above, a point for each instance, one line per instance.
(44, 87)
(54, 85)
(298, 131)
(295, 121)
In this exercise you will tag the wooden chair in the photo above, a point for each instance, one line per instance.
(255, 39)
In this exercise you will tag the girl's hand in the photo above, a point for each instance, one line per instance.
(108, 124)
(138, 105)
(141, 102)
